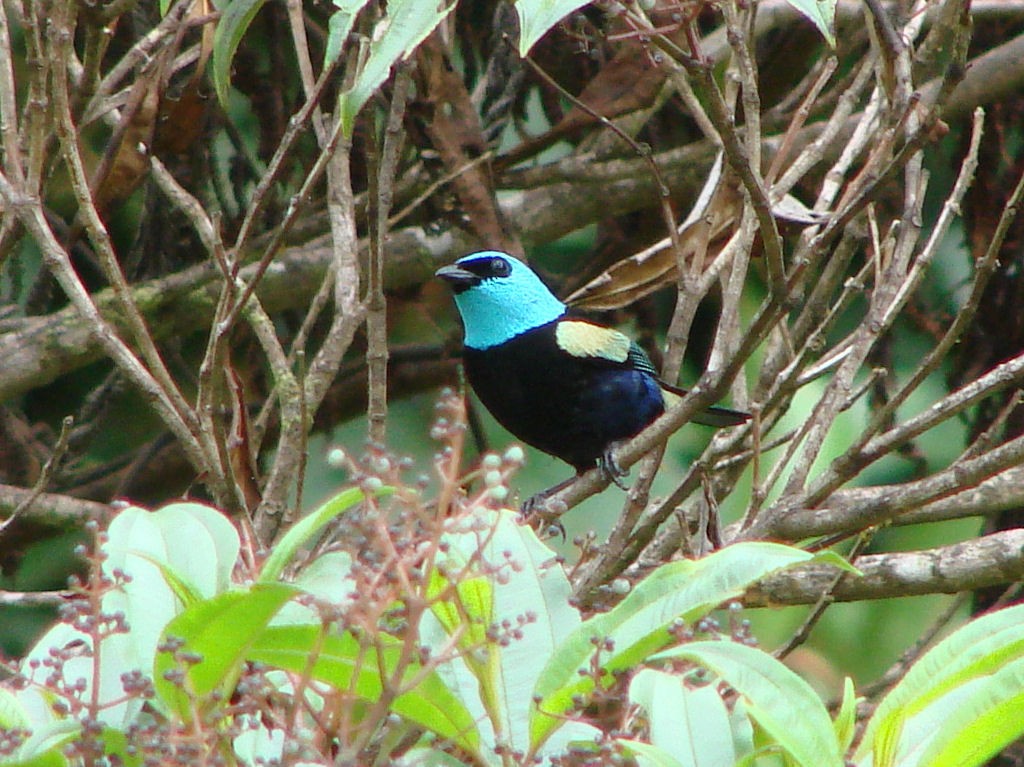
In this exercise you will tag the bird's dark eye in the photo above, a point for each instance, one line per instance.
(500, 267)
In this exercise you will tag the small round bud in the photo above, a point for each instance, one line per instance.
(336, 458)
(515, 455)
(621, 586)
(491, 461)
(492, 478)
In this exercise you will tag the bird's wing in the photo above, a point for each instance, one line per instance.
(584, 340)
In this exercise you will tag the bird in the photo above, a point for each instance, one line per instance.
(566, 385)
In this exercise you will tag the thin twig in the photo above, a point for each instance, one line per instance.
(642, 150)
(9, 108)
(898, 669)
(738, 155)
(383, 174)
(818, 611)
(853, 457)
(799, 118)
(99, 237)
(47, 472)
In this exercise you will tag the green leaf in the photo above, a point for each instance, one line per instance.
(201, 542)
(52, 758)
(515, 581)
(647, 755)
(983, 724)
(339, 25)
(979, 648)
(886, 741)
(220, 631)
(45, 745)
(845, 722)
(406, 25)
(536, 17)
(190, 545)
(340, 661)
(963, 727)
(469, 609)
(686, 590)
(822, 14)
(427, 756)
(234, 23)
(782, 703)
(115, 743)
(12, 713)
(187, 593)
(690, 723)
(742, 730)
(303, 531)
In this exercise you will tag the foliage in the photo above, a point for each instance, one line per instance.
(428, 635)
(219, 227)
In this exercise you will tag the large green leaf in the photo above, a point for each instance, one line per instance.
(340, 661)
(962, 728)
(822, 14)
(339, 25)
(977, 649)
(990, 719)
(219, 631)
(303, 531)
(536, 17)
(234, 22)
(464, 606)
(406, 25)
(782, 703)
(691, 723)
(509, 580)
(648, 755)
(637, 627)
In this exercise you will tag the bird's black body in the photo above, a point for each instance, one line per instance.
(567, 406)
(569, 387)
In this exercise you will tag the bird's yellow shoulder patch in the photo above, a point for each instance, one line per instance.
(584, 339)
(671, 398)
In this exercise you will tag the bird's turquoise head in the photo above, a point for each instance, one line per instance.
(499, 297)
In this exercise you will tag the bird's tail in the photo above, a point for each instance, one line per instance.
(719, 417)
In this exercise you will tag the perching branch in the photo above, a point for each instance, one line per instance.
(987, 561)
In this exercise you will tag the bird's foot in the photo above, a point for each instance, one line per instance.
(610, 468)
(542, 510)
(537, 513)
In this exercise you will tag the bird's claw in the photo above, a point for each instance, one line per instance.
(610, 468)
(536, 512)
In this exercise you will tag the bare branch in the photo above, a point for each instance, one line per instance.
(381, 188)
(48, 508)
(987, 561)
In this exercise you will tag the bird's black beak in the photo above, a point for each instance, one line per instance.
(459, 278)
